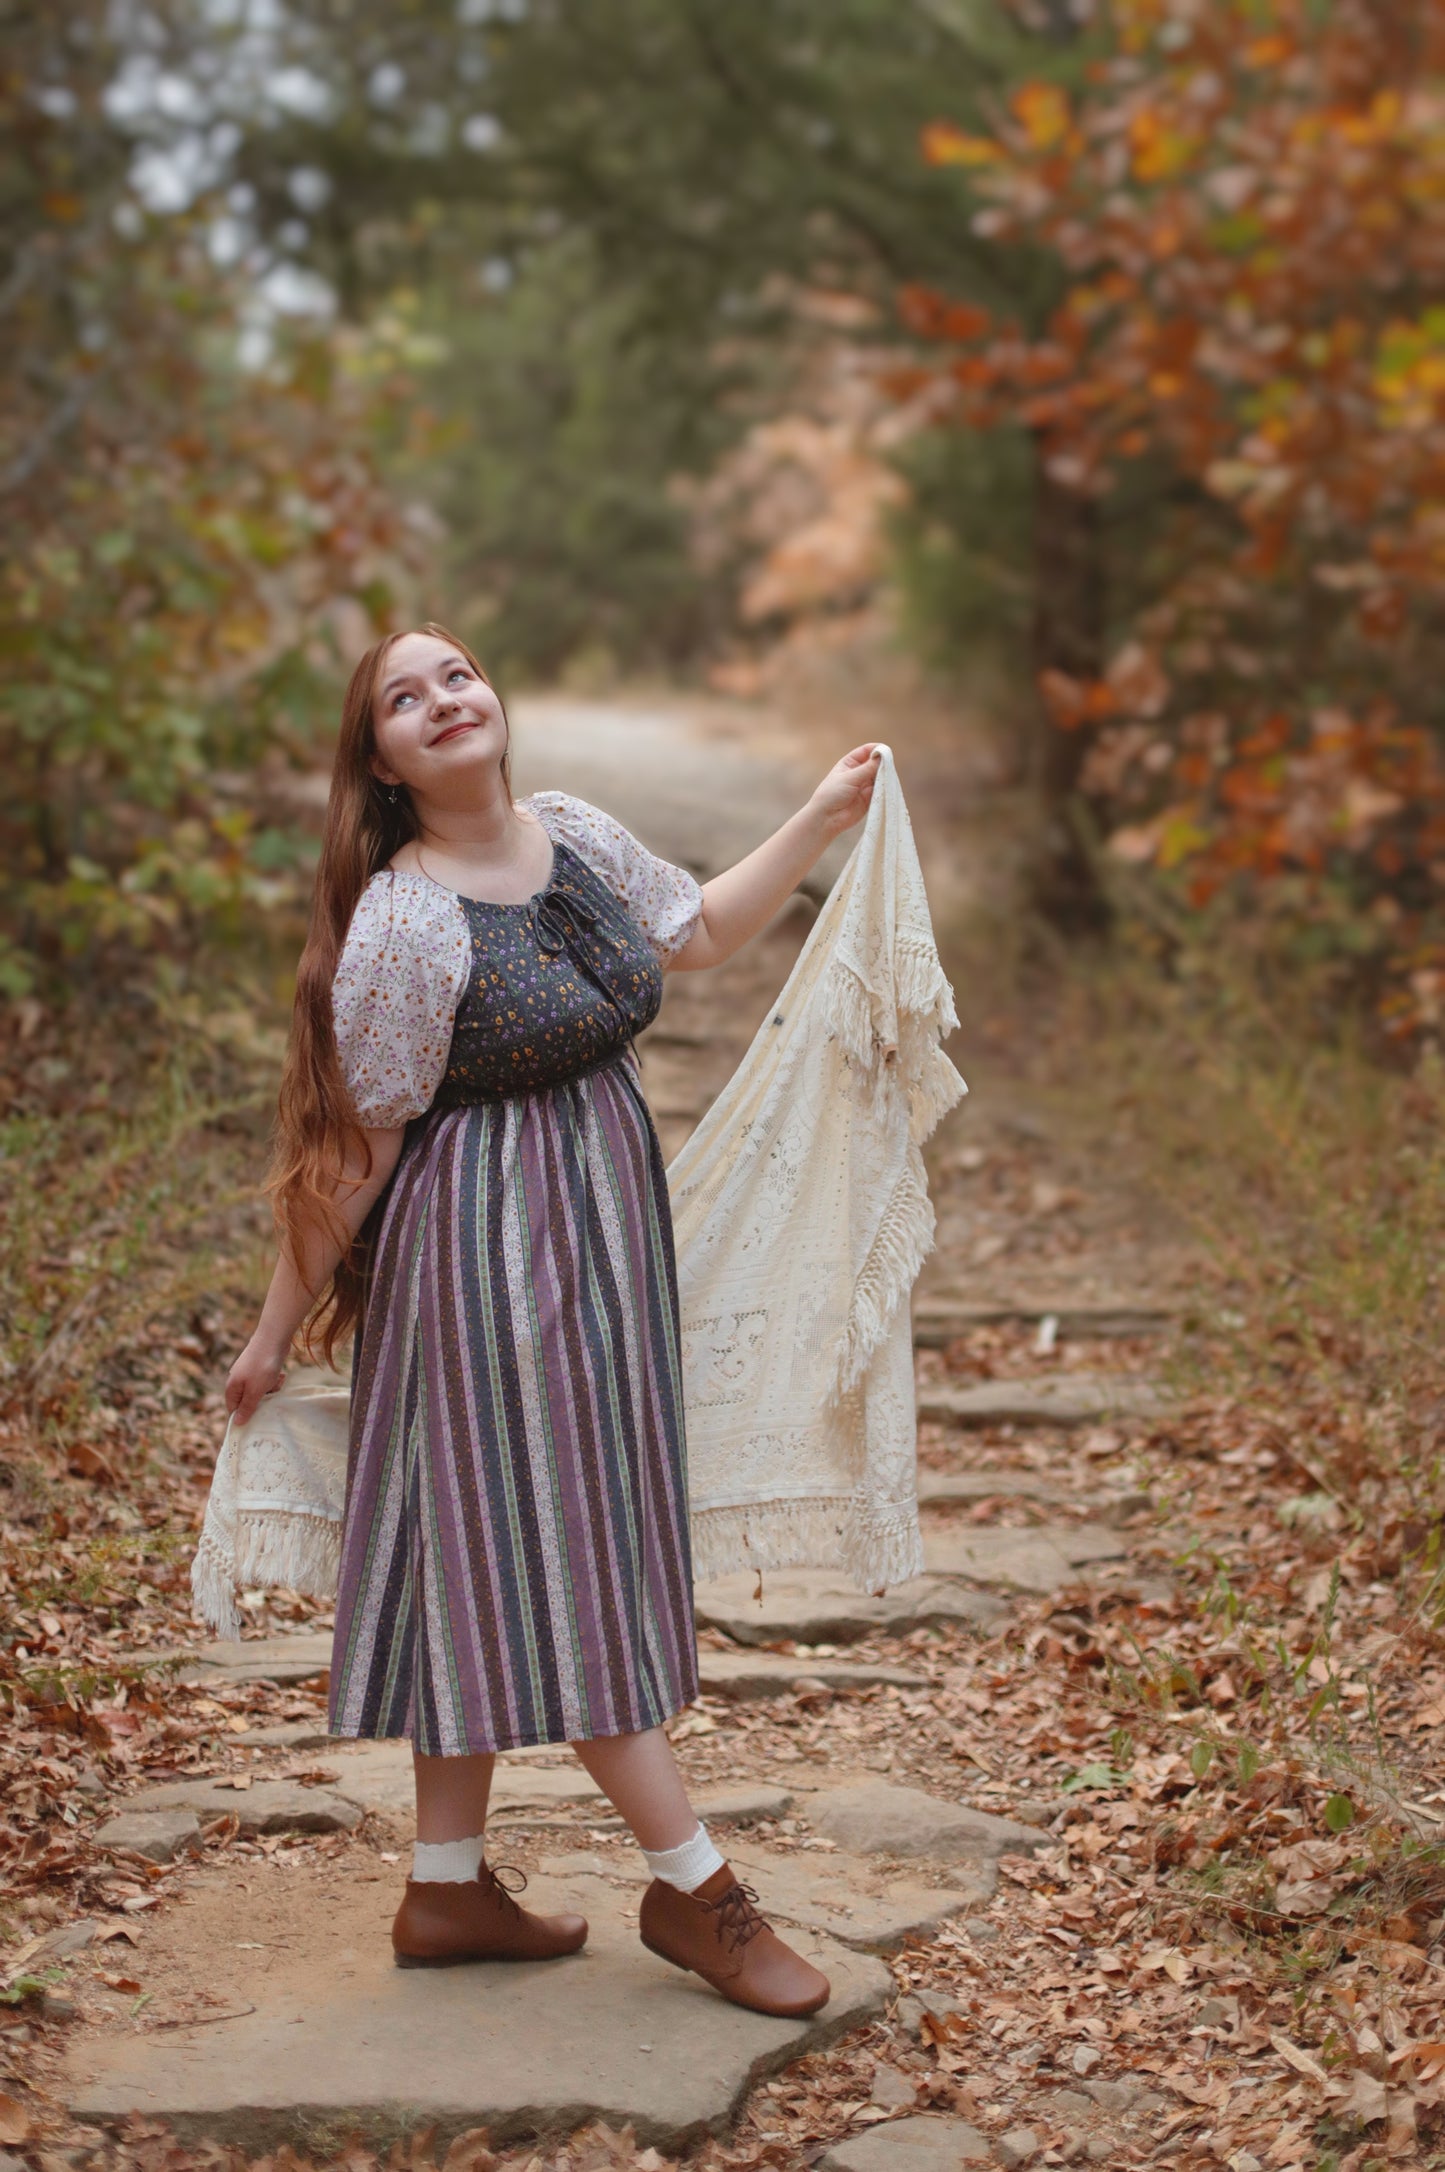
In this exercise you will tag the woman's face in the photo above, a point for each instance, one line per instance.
(437, 723)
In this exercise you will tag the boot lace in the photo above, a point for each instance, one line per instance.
(737, 1914)
(495, 1881)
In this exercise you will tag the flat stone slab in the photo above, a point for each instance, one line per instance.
(991, 1485)
(1043, 1559)
(1052, 1399)
(281, 1660)
(266, 1806)
(878, 1819)
(816, 1606)
(341, 2040)
(285, 1660)
(910, 2145)
(285, 1735)
(379, 1776)
(742, 1805)
(938, 1321)
(850, 1899)
(159, 1835)
(750, 1675)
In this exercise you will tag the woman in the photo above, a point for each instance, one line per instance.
(467, 1172)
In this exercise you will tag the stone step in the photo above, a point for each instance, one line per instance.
(340, 2040)
(1049, 1399)
(937, 2144)
(819, 1606)
(937, 1321)
(378, 1776)
(1043, 1559)
(748, 1675)
(864, 1900)
(847, 1897)
(283, 1660)
(936, 1487)
(266, 1806)
(873, 1817)
(943, 1489)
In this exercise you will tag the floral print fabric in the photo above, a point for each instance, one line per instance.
(416, 954)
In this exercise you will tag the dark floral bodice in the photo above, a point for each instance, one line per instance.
(556, 987)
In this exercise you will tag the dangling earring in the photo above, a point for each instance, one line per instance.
(393, 795)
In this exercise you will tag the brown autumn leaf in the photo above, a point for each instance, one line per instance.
(86, 1461)
(15, 2121)
(471, 2152)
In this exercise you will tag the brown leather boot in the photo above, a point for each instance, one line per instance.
(476, 1919)
(718, 1933)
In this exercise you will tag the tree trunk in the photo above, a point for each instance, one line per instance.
(1068, 636)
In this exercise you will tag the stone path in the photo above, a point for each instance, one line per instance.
(330, 2038)
(727, 1674)
(276, 2014)
(302, 2028)
(1062, 1399)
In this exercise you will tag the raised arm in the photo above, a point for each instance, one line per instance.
(743, 899)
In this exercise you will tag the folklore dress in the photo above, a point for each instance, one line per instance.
(515, 1561)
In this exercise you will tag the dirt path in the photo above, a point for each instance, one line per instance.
(965, 1799)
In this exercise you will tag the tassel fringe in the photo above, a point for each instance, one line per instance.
(901, 1243)
(291, 1551)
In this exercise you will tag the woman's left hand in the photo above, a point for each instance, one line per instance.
(843, 796)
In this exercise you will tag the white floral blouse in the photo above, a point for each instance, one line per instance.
(408, 954)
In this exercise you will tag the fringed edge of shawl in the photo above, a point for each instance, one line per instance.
(924, 988)
(849, 1011)
(294, 1551)
(812, 1531)
(901, 1243)
(932, 1086)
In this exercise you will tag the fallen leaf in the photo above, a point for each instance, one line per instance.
(85, 1461)
(696, 1723)
(1363, 2098)
(15, 1962)
(14, 2120)
(1303, 2062)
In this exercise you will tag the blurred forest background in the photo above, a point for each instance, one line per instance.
(1081, 366)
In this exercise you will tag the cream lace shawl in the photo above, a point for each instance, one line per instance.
(801, 1214)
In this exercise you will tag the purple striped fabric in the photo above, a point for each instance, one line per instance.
(515, 1562)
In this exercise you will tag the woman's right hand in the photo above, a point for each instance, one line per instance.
(258, 1371)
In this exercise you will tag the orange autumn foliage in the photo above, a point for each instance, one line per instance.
(1243, 207)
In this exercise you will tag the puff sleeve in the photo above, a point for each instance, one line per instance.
(664, 900)
(394, 995)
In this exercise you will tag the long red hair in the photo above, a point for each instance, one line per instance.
(317, 1134)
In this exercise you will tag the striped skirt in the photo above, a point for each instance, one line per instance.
(515, 1559)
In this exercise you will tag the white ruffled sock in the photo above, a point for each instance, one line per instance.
(446, 1862)
(686, 1867)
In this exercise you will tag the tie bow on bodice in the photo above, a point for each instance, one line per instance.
(559, 917)
(558, 989)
